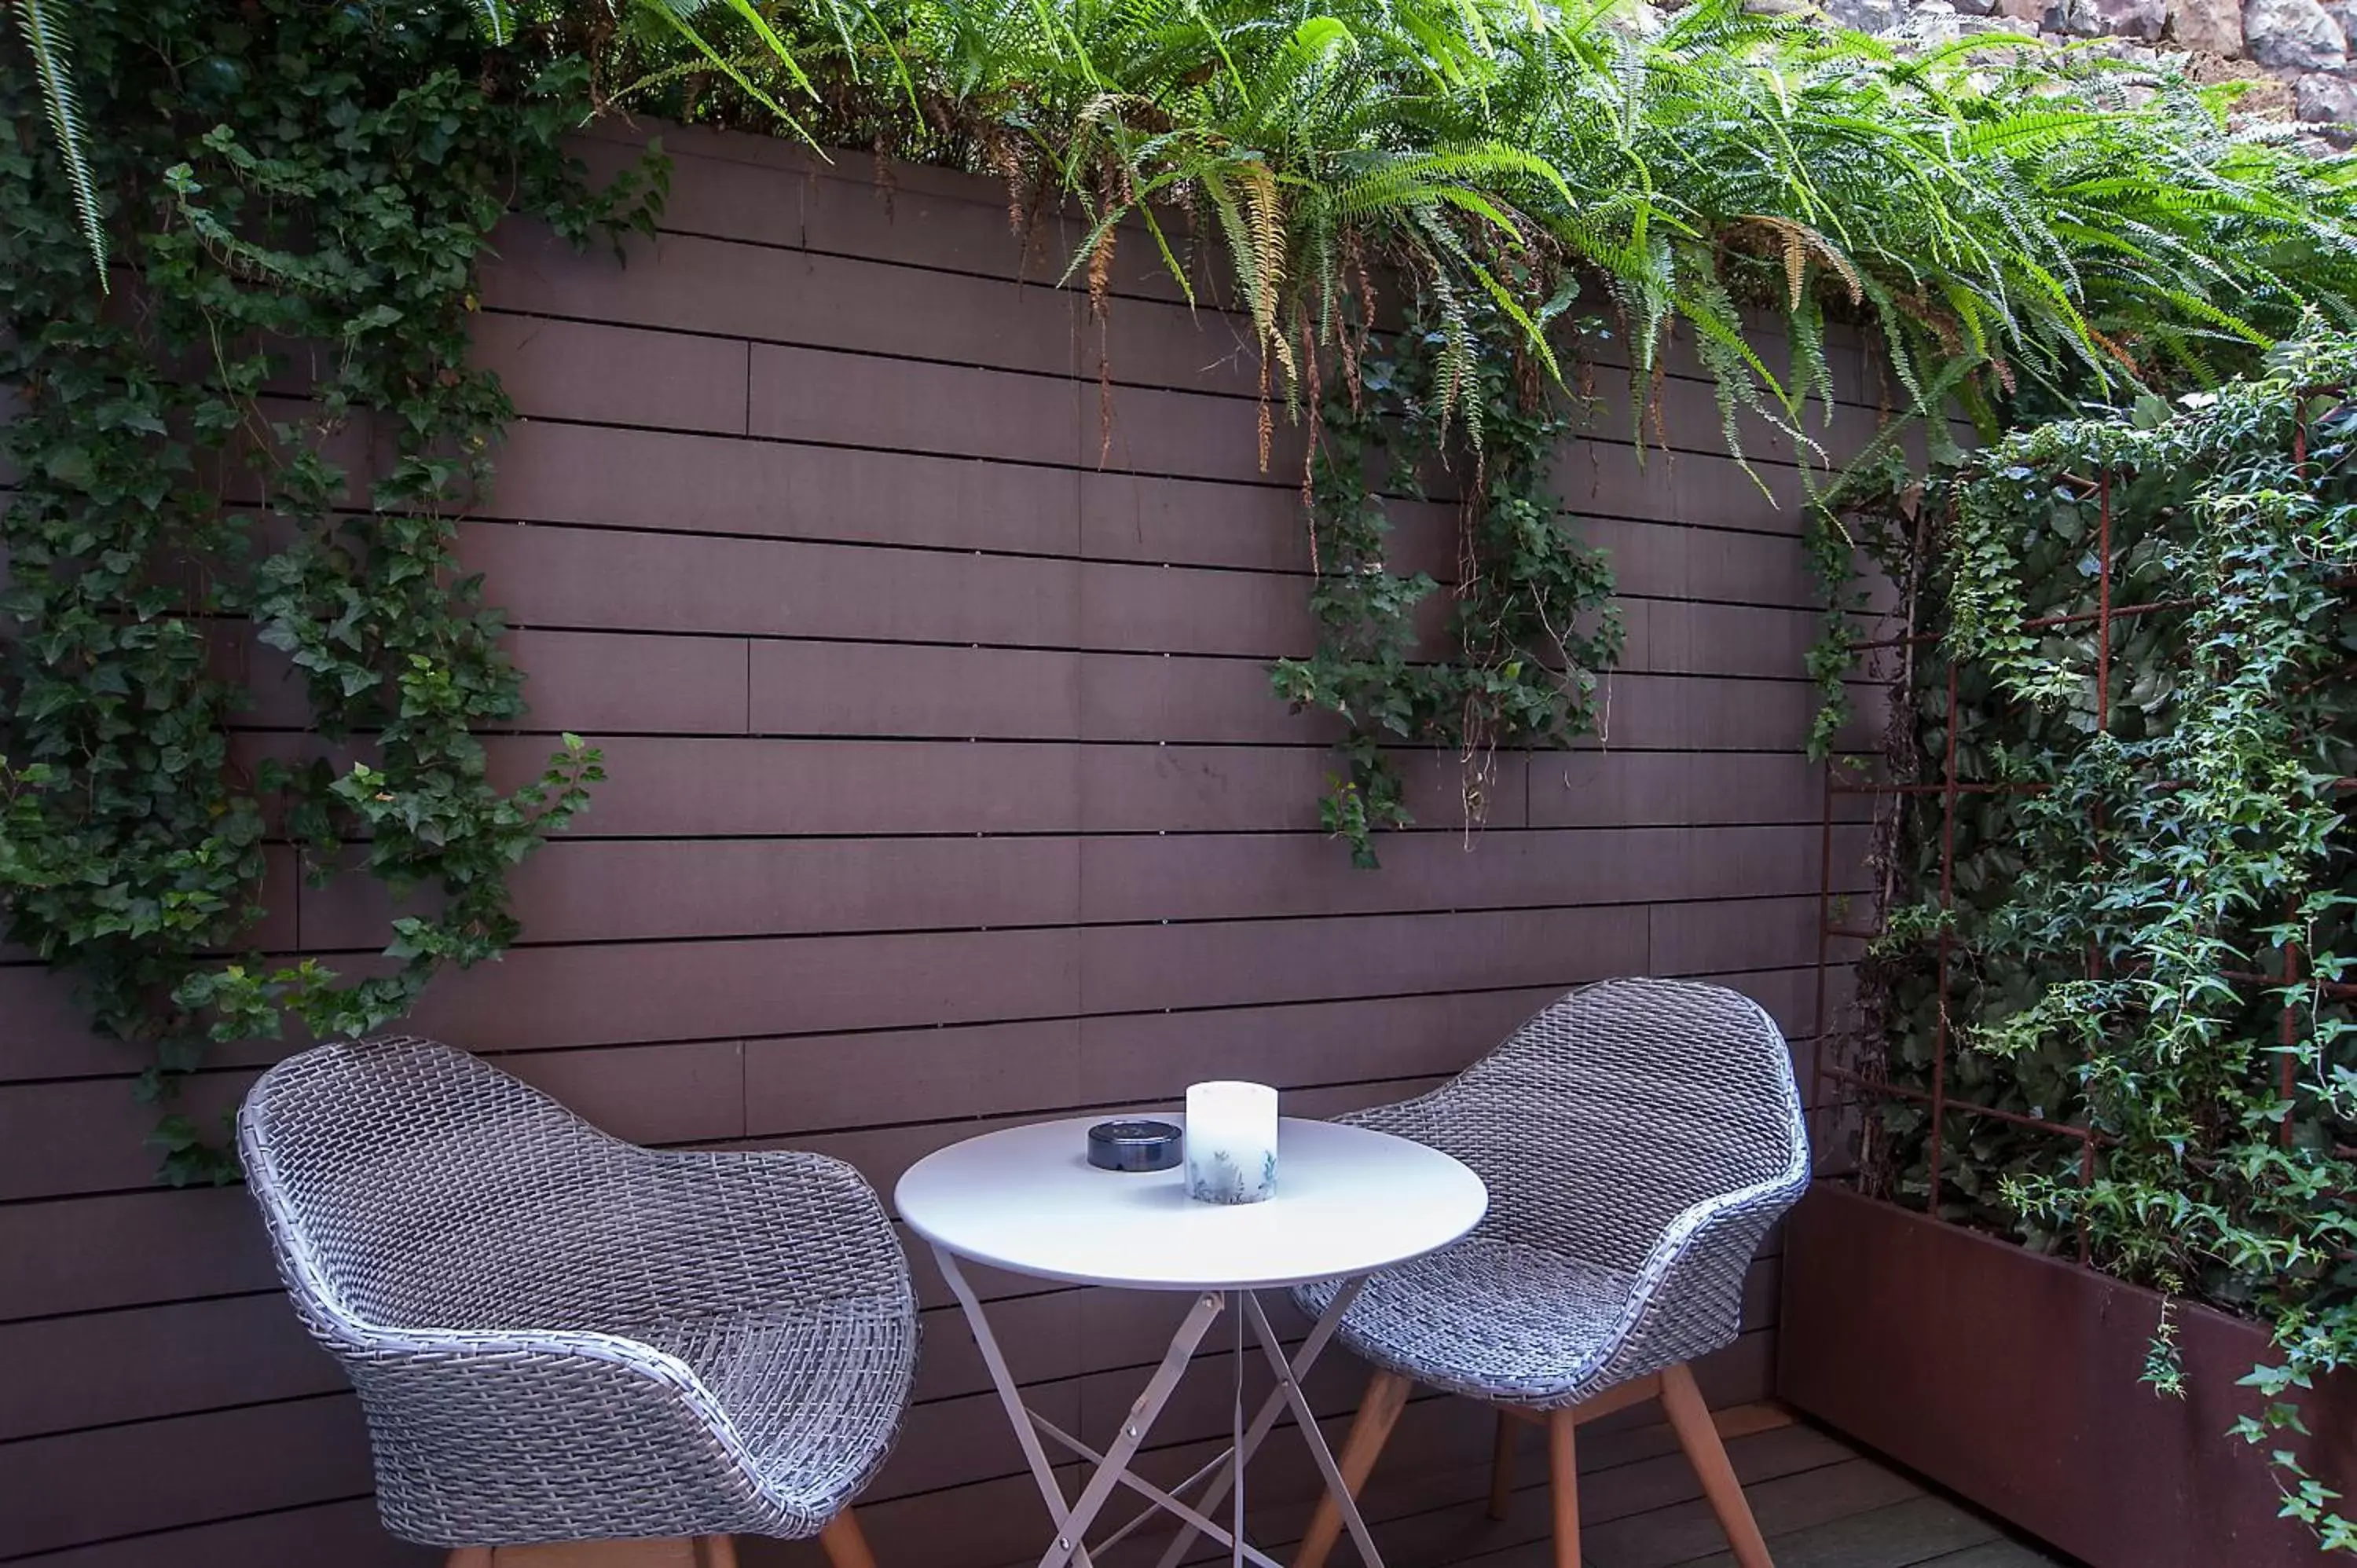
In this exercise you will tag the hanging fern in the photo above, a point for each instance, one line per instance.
(2034, 217)
(52, 54)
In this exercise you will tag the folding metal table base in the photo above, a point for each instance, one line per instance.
(1073, 1518)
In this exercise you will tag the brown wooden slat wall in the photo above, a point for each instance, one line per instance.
(947, 790)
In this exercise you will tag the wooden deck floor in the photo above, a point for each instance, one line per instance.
(1821, 1504)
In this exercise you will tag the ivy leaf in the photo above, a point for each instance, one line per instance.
(70, 467)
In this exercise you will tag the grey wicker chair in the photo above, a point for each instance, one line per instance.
(1638, 1137)
(558, 1335)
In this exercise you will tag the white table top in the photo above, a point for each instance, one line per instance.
(1348, 1200)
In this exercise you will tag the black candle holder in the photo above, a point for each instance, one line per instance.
(1134, 1145)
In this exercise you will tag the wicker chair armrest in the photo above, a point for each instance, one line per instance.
(1689, 1296)
(611, 1432)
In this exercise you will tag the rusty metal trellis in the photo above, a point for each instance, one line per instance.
(1867, 1089)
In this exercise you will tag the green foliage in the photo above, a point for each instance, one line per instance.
(2010, 223)
(2149, 921)
(2005, 215)
(1532, 619)
(265, 436)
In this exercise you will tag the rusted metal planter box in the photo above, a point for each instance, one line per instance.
(2011, 1379)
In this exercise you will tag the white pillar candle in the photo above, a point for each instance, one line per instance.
(1230, 1143)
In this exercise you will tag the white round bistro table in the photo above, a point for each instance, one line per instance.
(1349, 1201)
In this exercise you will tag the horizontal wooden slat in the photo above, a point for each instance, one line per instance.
(1675, 713)
(599, 476)
(654, 582)
(1668, 560)
(653, 991)
(178, 1359)
(1753, 933)
(1592, 785)
(613, 890)
(116, 1480)
(1142, 623)
(1214, 877)
(1136, 967)
(1231, 704)
(346, 1534)
(563, 370)
(87, 1254)
(88, 1135)
(738, 788)
(618, 889)
(858, 688)
(44, 1031)
(745, 787)
(694, 483)
(964, 1440)
(695, 285)
(600, 680)
(850, 203)
(761, 188)
(1177, 788)
(623, 993)
(817, 394)
(592, 682)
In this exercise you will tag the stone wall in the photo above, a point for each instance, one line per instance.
(2299, 51)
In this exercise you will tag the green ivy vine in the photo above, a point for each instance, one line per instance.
(2151, 925)
(261, 426)
(1532, 619)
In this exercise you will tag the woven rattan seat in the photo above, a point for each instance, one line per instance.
(558, 1336)
(1521, 1322)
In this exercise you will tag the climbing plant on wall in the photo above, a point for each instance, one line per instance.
(2149, 930)
(243, 448)
(1529, 616)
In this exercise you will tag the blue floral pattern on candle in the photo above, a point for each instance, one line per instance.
(1216, 1175)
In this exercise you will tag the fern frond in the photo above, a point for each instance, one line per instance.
(53, 66)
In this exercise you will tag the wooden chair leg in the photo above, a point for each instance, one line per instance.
(1501, 1466)
(1699, 1438)
(468, 1557)
(1563, 1481)
(1386, 1396)
(715, 1551)
(845, 1546)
